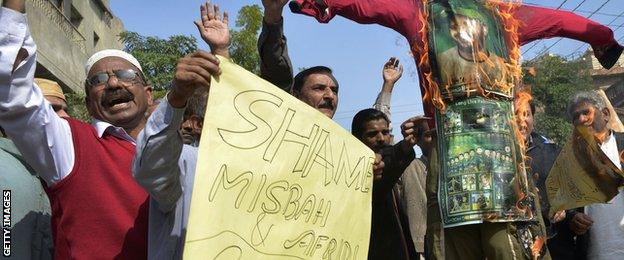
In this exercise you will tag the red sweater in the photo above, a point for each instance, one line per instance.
(99, 211)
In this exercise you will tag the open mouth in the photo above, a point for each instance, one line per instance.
(118, 99)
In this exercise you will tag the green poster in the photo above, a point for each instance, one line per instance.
(482, 178)
(482, 174)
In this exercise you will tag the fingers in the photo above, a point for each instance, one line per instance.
(217, 12)
(197, 69)
(203, 14)
(210, 10)
(226, 18)
(584, 219)
(559, 216)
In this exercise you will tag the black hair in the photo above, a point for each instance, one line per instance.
(302, 76)
(364, 116)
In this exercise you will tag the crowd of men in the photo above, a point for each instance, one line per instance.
(120, 187)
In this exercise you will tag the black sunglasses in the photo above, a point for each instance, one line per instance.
(126, 75)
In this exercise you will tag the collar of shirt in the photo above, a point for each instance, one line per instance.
(609, 147)
(104, 127)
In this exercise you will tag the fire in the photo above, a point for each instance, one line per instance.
(432, 95)
(536, 248)
(509, 70)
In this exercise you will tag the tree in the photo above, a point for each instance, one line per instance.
(158, 57)
(554, 83)
(243, 49)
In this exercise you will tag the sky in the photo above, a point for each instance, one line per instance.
(354, 51)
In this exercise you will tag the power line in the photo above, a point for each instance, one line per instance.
(617, 28)
(536, 42)
(341, 113)
(559, 40)
(578, 11)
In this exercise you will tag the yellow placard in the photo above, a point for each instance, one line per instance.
(275, 178)
(581, 175)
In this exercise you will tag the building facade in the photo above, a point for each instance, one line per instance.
(67, 32)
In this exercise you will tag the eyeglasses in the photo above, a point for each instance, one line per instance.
(127, 75)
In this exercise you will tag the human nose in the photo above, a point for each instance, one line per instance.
(113, 81)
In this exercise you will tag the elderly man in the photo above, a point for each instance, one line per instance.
(597, 224)
(97, 208)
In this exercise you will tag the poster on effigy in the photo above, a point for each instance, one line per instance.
(480, 177)
(275, 178)
(468, 50)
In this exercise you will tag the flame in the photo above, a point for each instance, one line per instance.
(432, 96)
(510, 71)
(536, 248)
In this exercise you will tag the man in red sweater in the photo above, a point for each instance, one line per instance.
(98, 210)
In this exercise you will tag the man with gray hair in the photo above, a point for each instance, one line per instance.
(596, 225)
(98, 210)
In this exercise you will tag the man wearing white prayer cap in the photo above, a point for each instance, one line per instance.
(98, 209)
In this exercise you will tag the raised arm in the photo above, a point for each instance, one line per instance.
(540, 23)
(400, 15)
(275, 64)
(156, 164)
(391, 73)
(43, 138)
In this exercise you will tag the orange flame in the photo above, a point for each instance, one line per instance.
(432, 96)
(536, 248)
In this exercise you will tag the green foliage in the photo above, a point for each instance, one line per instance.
(77, 107)
(557, 79)
(243, 49)
(158, 57)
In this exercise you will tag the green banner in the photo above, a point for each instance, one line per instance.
(482, 178)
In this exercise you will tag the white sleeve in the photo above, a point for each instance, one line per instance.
(43, 138)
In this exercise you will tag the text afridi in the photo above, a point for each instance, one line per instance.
(286, 181)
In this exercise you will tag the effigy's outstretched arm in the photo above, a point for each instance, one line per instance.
(400, 15)
(539, 23)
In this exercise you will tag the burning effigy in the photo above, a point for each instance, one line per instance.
(468, 57)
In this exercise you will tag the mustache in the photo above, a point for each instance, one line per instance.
(115, 96)
(326, 104)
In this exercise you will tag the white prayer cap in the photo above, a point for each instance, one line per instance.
(111, 53)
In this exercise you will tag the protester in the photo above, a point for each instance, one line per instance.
(53, 92)
(391, 73)
(97, 208)
(85, 167)
(414, 199)
(542, 153)
(446, 98)
(194, 117)
(275, 65)
(31, 236)
(597, 224)
(316, 86)
(410, 188)
(390, 236)
(164, 166)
